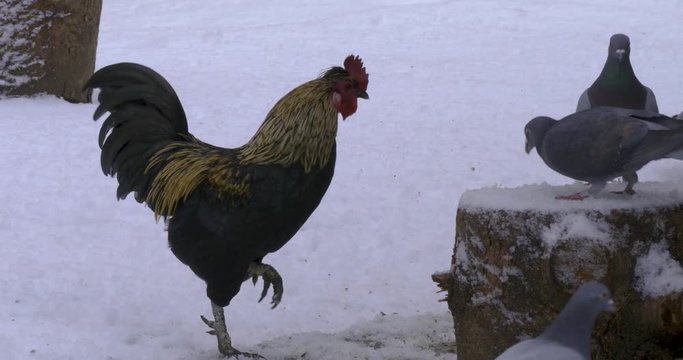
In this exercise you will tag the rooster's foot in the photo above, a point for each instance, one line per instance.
(219, 329)
(270, 277)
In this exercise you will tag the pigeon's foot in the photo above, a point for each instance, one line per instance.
(631, 179)
(219, 329)
(575, 197)
(626, 191)
(270, 277)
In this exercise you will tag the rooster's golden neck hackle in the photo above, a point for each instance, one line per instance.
(302, 126)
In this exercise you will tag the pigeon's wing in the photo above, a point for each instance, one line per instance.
(539, 349)
(584, 102)
(650, 101)
(630, 135)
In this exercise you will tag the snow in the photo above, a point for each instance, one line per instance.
(540, 197)
(588, 235)
(452, 84)
(385, 337)
(574, 226)
(657, 273)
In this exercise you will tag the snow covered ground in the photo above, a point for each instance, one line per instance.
(452, 84)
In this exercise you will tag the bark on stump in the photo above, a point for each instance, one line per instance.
(48, 46)
(515, 265)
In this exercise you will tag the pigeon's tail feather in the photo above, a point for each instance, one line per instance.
(676, 154)
(658, 144)
(675, 141)
(657, 121)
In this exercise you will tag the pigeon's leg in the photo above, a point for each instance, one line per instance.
(593, 190)
(631, 179)
(596, 187)
(221, 331)
(270, 277)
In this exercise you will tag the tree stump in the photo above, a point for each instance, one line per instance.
(48, 46)
(519, 254)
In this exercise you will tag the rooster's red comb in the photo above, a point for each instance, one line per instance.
(354, 66)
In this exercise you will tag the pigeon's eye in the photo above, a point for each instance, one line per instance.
(604, 295)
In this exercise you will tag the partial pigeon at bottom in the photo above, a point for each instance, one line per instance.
(569, 335)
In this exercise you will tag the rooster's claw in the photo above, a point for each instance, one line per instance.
(270, 277)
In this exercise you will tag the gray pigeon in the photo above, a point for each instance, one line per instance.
(617, 84)
(569, 335)
(600, 144)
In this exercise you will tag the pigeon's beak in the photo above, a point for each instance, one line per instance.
(619, 53)
(611, 307)
(528, 147)
(363, 95)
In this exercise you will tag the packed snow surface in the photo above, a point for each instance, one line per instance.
(541, 197)
(452, 83)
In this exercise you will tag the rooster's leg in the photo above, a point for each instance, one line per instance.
(270, 277)
(221, 331)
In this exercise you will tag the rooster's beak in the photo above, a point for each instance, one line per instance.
(363, 95)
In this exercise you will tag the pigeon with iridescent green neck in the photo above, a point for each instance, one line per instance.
(617, 84)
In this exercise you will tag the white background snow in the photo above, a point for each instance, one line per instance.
(452, 84)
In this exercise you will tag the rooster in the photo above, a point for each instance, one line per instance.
(225, 209)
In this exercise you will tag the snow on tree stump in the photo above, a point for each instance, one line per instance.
(48, 46)
(519, 254)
